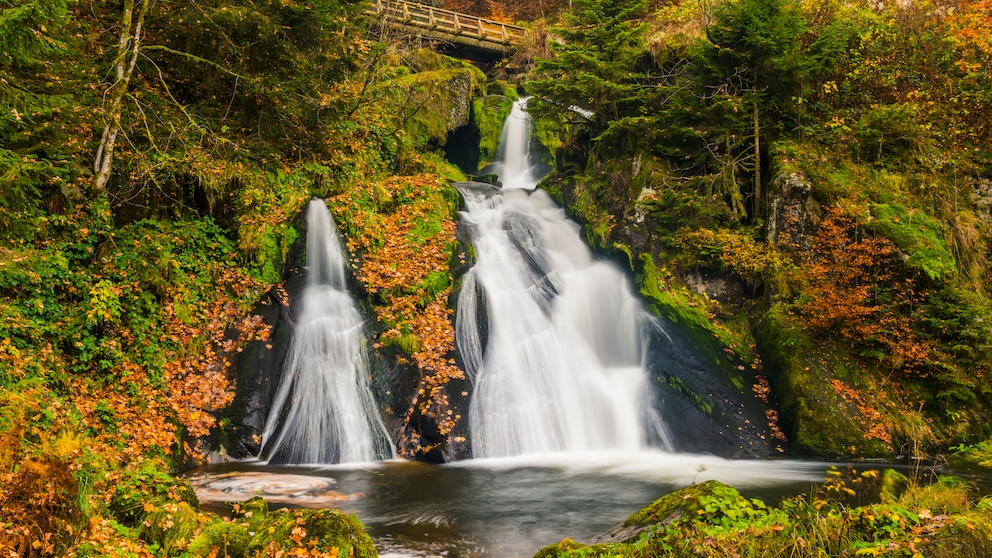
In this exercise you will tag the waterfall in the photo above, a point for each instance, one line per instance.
(323, 411)
(514, 168)
(553, 340)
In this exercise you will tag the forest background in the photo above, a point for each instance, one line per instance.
(826, 166)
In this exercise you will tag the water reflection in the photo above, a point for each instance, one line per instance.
(489, 508)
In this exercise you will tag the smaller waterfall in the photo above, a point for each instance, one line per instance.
(553, 340)
(323, 411)
(514, 168)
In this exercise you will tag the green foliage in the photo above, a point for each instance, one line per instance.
(171, 526)
(713, 519)
(755, 262)
(33, 164)
(151, 485)
(762, 38)
(596, 68)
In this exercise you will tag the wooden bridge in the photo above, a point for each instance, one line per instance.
(420, 20)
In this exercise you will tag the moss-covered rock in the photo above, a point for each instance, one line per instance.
(818, 421)
(563, 548)
(710, 503)
(322, 530)
(229, 539)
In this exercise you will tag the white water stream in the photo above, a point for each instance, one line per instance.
(323, 411)
(553, 340)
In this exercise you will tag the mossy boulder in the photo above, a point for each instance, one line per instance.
(818, 421)
(228, 538)
(283, 530)
(563, 548)
(708, 503)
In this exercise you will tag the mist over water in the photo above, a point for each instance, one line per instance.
(560, 365)
(323, 411)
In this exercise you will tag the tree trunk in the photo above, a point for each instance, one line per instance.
(127, 57)
(757, 161)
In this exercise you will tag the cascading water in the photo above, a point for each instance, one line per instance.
(323, 411)
(554, 340)
(514, 168)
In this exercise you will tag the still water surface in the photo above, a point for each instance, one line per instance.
(494, 508)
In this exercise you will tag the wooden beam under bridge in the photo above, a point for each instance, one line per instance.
(445, 25)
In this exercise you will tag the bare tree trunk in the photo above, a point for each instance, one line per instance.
(124, 63)
(757, 162)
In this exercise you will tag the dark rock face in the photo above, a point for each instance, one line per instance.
(258, 367)
(717, 286)
(704, 400)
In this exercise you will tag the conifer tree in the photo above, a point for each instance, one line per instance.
(598, 68)
(30, 33)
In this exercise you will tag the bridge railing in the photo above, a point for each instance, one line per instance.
(429, 17)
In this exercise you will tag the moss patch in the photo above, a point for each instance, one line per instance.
(321, 530)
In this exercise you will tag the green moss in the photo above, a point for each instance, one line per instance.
(489, 113)
(918, 235)
(273, 246)
(567, 547)
(711, 502)
(684, 307)
(322, 530)
(434, 284)
(435, 163)
(171, 526)
(817, 420)
(711, 506)
(407, 342)
(679, 385)
(230, 539)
